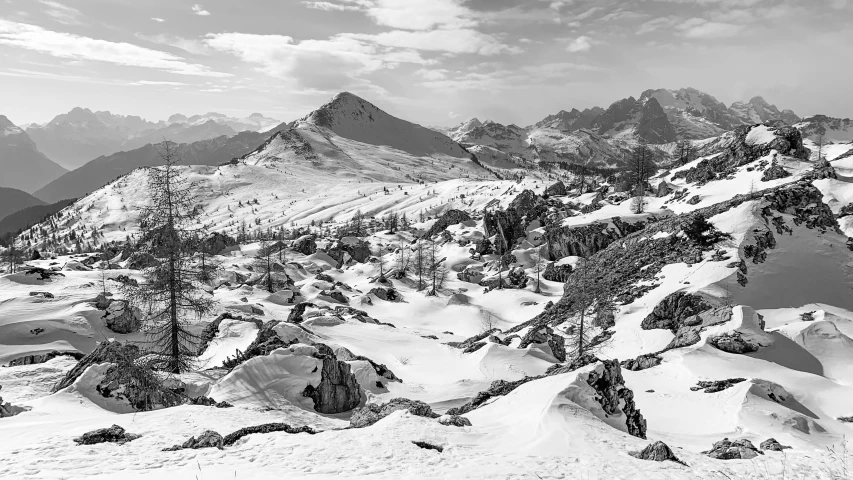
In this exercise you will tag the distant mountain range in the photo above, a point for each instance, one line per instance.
(72, 139)
(22, 165)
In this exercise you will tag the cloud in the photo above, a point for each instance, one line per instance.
(332, 64)
(189, 45)
(62, 13)
(328, 6)
(155, 83)
(198, 10)
(580, 44)
(454, 115)
(419, 14)
(159, 20)
(657, 24)
(429, 74)
(700, 29)
(76, 47)
(451, 41)
(505, 78)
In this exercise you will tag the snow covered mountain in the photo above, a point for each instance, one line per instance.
(838, 130)
(570, 121)
(81, 135)
(720, 334)
(23, 165)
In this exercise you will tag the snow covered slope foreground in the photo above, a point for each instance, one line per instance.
(741, 331)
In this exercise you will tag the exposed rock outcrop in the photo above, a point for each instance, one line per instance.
(771, 444)
(114, 434)
(121, 317)
(42, 358)
(450, 217)
(675, 311)
(546, 336)
(305, 245)
(714, 386)
(614, 395)
(558, 188)
(232, 438)
(657, 452)
(557, 273)
(642, 362)
(208, 439)
(338, 390)
(9, 410)
(730, 450)
(454, 421)
(732, 342)
(586, 240)
(372, 413)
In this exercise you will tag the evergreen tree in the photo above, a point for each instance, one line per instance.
(265, 264)
(171, 293)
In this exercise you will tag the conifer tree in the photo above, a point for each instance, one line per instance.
(171, 293)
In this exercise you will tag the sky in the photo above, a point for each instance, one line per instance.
(434, 62)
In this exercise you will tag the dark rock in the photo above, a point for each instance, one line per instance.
(212, 329)
(208, 439)
(450, 217)
(642, 362)
(266, 342)
(36, 359)
(9, 410)
(583, 241)
(217, 242)
(353, 248)
(295, 315)
(732, 342)
(103, 300)
(209, 402)
(41, 294)
(558, 189)
(822, 169)
(121, 317)
(675, 311)
(325, 278)
(141, 260)
(386, 293)
(728, 450)
(775, 172)
(372, 413)
(613, 394)
(335, 295)
(232, 438)
(714, 386)
(772, 445)
(338, 390)
(546, 335)
(454, 421)
(114, 434)
(498, 388)
(305, 245)
(557, 273)
(657, 452)
(428, 446)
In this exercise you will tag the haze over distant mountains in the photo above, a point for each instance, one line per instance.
(76, 137)
(22, 165)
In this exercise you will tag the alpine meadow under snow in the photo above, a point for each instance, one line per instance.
(657, 290)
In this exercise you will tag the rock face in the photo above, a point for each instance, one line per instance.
(822, 169)
(583, 241)
(450, 217)
(545, 335)
(613, 394)
(507, 226)
(372, 413)
(654, 126)
(557, 273)
(208, 439)
(114, 434)
(772, 445)
(657, 452)
(338, 390)
(266, 341)
(738, 449)
(120, 317)
(305, 245)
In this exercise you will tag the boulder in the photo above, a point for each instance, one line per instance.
(305, 245)
(732, 342)
(714, 386)
(642, 362)
(121, 317)
(45, 295)
(103, 300)
(557, 273)
(338, 390)
(772, 445)
(349, 248)
(657, 452)
(208, 439)
(218, 242)
(296, 313)
(739, 449)
(386, 293)
(674, 311)
(114, 434)
(372, 413)
(454, 421)
(232, 438)
(558, 189)
(42, 358)
(335, 295)
(614, 395)
(775, 172)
